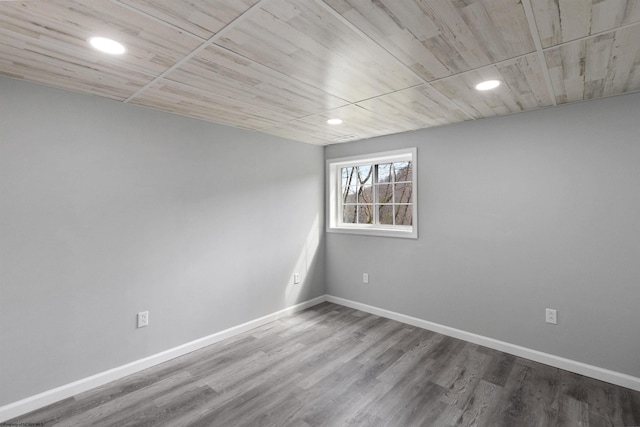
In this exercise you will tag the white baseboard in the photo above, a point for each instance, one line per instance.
(40, 400)
(602, 374)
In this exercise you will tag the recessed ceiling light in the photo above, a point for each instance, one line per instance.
(487, 85)
(105, 45)
(334, 121)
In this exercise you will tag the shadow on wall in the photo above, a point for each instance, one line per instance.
(298, 277)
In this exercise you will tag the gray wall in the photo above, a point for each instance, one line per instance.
(516, 214)
(109, 209)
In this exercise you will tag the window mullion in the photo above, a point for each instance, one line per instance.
(374, 194)
(392, 179)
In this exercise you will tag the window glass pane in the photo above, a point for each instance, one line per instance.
(365, 214)
(402, 171)
(349, 194)
(364, 175)
(384, 172)
(349, 214)
(365, 194)
(385, 214)
(403, 214)
(385, 193)
(403, 192)
(348, 176)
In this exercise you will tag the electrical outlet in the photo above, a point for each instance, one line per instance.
(551, 316)
(365, 277)
(296, 278)
(143, 319)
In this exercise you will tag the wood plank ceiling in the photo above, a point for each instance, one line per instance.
(284, 67)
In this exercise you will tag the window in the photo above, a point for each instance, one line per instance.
(373, 194)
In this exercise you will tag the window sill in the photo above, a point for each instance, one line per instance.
(409, 233)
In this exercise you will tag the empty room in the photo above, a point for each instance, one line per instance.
(320, 213)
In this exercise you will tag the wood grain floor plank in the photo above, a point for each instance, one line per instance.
(499, 368)
(335, 366)
(485, 398)
(129, 402)
(468, 369)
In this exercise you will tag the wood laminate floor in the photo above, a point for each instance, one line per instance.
(331, 366)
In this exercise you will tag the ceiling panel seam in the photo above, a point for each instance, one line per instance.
(392, 92)
(364, 35)
(239, 102)
(591, 36)
(533, 28)
(355, 104)
(238, 55)
(197, 50)
(158, 20)
(211, 42)
(484, 67)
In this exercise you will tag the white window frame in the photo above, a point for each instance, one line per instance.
(334, 199)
